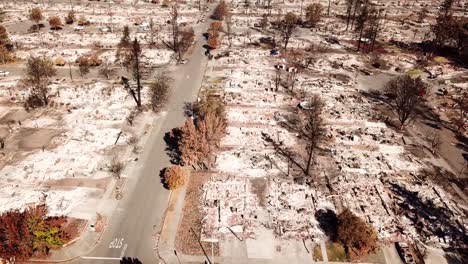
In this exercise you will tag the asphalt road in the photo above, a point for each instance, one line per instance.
(139, 214)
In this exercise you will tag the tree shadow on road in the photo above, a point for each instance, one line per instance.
(163, 181)
(172, 139)
(129, 260)
(462, 142)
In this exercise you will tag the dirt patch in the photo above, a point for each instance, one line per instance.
(73, 228)
(417, 151)
(186, 242)
(14, 115)
(259, 186)
(4, 132)
(34, 138)
(80, 182)
(341, 77)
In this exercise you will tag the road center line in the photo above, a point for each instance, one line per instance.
(122, 253)
(102, 258)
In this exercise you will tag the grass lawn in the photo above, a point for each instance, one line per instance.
(317, 253)
(440, 60)
(335, 252)
(414, 72)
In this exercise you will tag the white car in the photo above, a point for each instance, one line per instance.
(4, 73)
(78, 28)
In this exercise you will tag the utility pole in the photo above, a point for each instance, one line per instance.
(175, 253)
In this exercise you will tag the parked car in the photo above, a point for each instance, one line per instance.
(4, 73)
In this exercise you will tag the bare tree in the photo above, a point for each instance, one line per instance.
(106, 70)
(361, 21)
(407, 96)
(264, 21)
(4, 38)
(461, 104)
(83, 66)
(159, 91)
(434, 141)
(314, 14)
(38, 73)
(133, 65)
(310, 127)
(124, 46)
(349, 8)
(181, 39)
(152, 33)
(187, 36)
(5, 55)
(229, 27)
(82, 21)
(175, 32)
(36, 15)
(288, 27)
(70, 19)
(375, 23)
(220, 11)
(449, 30)
(422, 14)
(116, 167)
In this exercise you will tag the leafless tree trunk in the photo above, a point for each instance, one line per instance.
(133, 65)
(310, 127)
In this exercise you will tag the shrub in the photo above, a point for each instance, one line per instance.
(175, 177)
(116, 167)
(209, 104)
(55, 23)
(70, 19)
(216, 26)
(220, 11)
(82, 21)
(159, 91)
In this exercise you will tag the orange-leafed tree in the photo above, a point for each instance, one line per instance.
(55, 23)
(175, 177)
(15, 238)
(220, 11)
(357, 237)
(36, 15)
(200, 139)
(192, 145)
(216, 25)
(213, 42)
